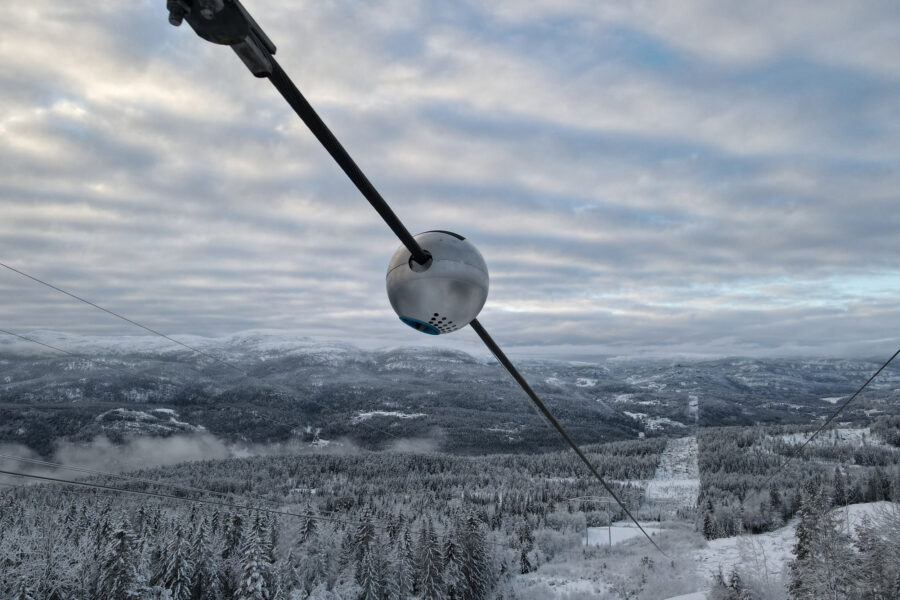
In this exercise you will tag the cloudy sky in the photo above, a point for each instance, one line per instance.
(700, 177)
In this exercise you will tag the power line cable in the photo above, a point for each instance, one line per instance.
(263, 64)
(66, 352)
(187, 488)
(828, 421)
(156, 482)
(305, 111)
(317, 126)
(123, 318)
(177, 498)
(109, 488)
(33, 341)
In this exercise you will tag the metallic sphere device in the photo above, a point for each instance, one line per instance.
(443, 294)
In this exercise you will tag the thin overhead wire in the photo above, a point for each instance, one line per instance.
(108, 488)
(33, 341)
(156, 482)
(495, 349)
(244, 372)
(128, 477)
(828, 421)
(111, 488)
(123, 318)
(122, 476)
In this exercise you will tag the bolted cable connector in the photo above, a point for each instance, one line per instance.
(228, 23)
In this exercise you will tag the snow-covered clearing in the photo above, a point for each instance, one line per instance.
(691, 596)
(651, 422)
(766, 555)
(364, 416)
(621, 531)
(676, 483)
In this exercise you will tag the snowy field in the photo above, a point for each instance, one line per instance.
(620, 532)
(767, 554)
(676, 483)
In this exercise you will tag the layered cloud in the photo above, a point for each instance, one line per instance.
(670, 177)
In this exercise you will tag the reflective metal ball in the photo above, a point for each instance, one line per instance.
(444, 294)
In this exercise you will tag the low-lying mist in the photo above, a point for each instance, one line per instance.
(101, 454)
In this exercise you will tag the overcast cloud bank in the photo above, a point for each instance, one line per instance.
(653, 177)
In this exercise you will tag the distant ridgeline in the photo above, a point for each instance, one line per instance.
(307, 392)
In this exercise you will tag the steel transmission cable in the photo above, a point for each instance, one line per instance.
(257, 52)
(476, 325)
(122, 476)
(305, 111)
(828, 421)
(318, 128)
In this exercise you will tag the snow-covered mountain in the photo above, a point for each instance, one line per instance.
(262, 386)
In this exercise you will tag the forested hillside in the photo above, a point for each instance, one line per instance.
(393, 525)
(843, 465)
(294, 390)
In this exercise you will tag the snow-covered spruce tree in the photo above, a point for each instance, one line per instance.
(372, 577)
(269, 541)
(878, 570)
(311, 567)
(476, 568)
(230, 563)
(362, 539)
(824, 557)
(526, 544)
(452, 573)
(308, 526)
(178, 571)
(430, 582)
(405, 566)
(839, 488)
(732, 588)
(119, 578)
(254, 568)
(205, 583)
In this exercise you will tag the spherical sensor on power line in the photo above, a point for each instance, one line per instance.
(446, 292)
